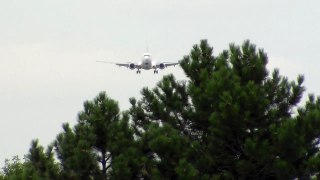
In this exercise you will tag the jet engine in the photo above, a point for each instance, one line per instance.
(132, 66)
(162, 66)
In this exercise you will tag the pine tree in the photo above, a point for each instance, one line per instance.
(74, 150)
(13, 169)
(231, 119)
(101, 138)
(40, 164)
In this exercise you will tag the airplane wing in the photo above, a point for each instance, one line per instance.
(166, 64)
(128, 65)
(123, 64)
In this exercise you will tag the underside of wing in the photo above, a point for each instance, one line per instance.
(166, 64)
(128, 65)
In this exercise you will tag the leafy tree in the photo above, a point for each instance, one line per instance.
(231, 119)
(37, 165)
(101, 138)
(40, 164)
(100, 114)
(74, 150)
(13, 169)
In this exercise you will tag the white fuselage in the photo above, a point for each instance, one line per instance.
(147, 63)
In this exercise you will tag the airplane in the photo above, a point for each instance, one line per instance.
(146, 63)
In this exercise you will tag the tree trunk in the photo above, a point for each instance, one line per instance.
(104, 163)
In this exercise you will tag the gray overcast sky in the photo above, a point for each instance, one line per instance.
(48, 51)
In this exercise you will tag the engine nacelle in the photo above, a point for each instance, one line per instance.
(162, 66)
(132, 66)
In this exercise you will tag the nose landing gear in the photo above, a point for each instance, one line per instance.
(155, 72)
(138, 72)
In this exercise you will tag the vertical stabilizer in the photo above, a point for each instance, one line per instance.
(147, 47)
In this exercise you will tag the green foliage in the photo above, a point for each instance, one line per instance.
(37, 165)
(13, 169)
(102, 138)
(74, 150)
(40, 164)
(229, 120)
